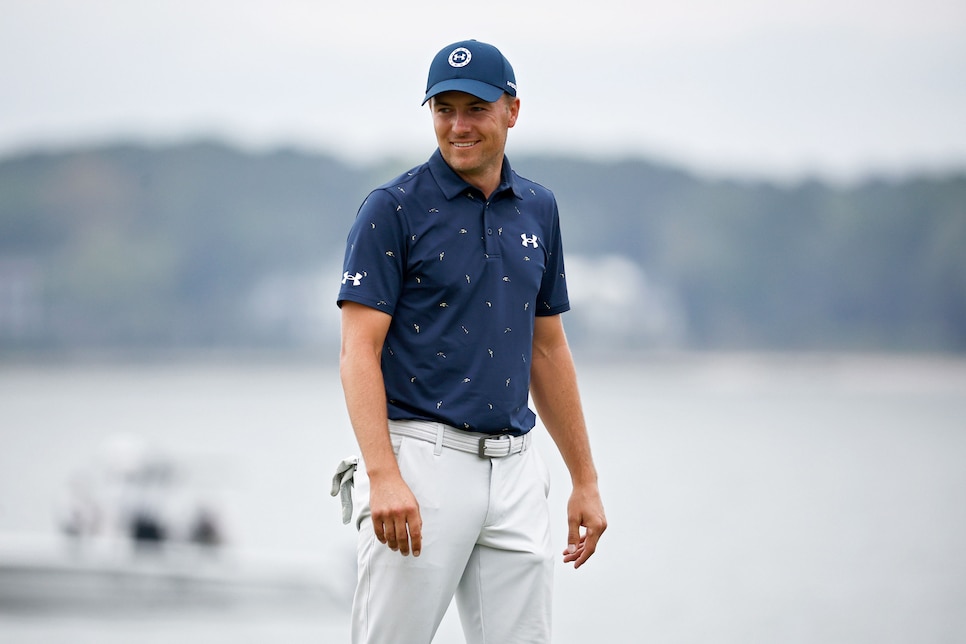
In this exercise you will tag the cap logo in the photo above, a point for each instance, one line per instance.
(460, 57)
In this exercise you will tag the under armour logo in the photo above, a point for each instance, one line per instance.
(528, 241)
(460, 57)
(356, 279)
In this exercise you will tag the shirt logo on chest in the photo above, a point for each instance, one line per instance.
(529, 241)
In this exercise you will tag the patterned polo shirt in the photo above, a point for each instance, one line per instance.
(462, 278)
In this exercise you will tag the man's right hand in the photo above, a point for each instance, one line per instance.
(395, 515)
(395, 511)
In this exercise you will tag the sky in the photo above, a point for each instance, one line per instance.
(780, 89)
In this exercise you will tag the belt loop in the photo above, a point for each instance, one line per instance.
(526, 443)
(440, 430)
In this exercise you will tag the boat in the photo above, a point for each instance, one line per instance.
(135, 532)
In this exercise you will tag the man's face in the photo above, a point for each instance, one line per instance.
(472, 133)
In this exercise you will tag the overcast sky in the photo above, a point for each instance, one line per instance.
(773, 88)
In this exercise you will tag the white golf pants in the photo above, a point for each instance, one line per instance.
(486, 540)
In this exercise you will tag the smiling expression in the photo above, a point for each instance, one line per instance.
(472, 134)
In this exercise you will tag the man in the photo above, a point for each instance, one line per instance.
(451, 296)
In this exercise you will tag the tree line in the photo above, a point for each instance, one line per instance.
(199, 246)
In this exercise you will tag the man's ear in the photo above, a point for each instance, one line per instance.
(514, 107)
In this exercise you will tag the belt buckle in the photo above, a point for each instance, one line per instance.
(481, 450)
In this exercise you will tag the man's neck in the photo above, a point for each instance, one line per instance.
(487, 182)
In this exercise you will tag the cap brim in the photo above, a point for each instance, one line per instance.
(479, 89)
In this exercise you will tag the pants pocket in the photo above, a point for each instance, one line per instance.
(420, 469)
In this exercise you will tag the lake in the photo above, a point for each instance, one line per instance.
(751, 498)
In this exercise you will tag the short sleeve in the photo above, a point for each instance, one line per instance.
(552, 297)
(374, 264)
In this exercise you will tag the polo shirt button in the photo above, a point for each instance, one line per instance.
(489, 231)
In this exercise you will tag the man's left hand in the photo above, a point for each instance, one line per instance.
(586, 522)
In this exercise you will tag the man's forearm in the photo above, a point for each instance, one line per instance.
(396, 521)
(365, 397)
(557, 399)
(553, 385)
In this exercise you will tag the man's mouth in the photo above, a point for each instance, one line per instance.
(464, 145)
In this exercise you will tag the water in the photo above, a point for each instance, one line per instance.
(750, 498)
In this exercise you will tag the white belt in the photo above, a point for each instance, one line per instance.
(483, 445)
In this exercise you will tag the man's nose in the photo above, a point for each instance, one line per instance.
(461, 121)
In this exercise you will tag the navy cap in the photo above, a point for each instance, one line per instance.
(473, 67)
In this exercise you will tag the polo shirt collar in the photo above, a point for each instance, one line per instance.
(452, 185)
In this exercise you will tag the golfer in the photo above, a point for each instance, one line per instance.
(452, 291)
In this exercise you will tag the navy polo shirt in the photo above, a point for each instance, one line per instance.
(462, 278)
